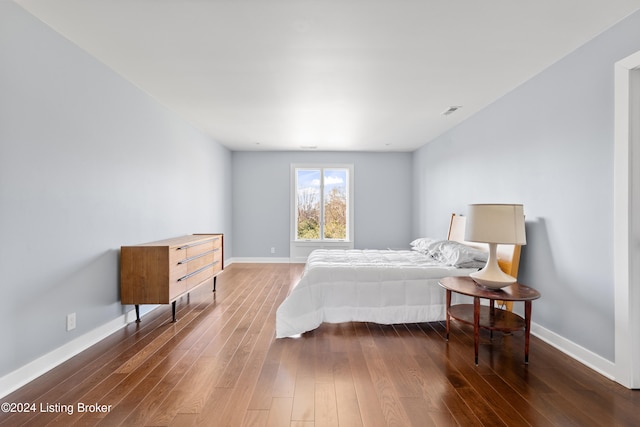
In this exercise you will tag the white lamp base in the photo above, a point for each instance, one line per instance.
(491, 275)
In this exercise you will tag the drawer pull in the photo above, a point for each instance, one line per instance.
(186, 260)
(197, 271)
(181, 248)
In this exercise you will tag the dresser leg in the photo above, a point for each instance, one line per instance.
(173, 310)
(137, 313)
(214, 283)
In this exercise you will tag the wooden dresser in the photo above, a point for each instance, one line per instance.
(161, 272)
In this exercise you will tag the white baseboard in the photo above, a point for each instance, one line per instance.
(588, 358)
(27, 373)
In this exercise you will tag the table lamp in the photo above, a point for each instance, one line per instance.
(494, 224)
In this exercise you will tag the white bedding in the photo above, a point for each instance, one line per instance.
(380, 286)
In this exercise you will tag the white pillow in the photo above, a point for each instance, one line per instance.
(422, 244)
(456, 254)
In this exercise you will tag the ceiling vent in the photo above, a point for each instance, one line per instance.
(451, 109)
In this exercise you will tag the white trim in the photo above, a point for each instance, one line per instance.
(298, 248)
(588, 358)
(27, 373)
(627, 326)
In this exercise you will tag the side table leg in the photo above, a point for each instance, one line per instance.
(492, 312)
(137, 313)
(476, 325)
(447, 311)
(173, 311)
(527, 329)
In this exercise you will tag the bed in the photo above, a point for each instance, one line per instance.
(383, 286)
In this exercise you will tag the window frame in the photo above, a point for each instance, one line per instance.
(301, 247)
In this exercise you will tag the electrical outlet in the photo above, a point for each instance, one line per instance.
(71, 321)
(273, 250)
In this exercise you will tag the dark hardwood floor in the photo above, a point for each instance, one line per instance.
(219, 365)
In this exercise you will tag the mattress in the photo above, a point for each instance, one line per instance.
(380, 286)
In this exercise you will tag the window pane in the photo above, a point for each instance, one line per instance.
(335, 204)
(308, 203)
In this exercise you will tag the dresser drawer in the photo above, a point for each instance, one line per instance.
(176, 255)
(199, 261)
(201, 267)
(217, 261)
(177, 287)
(217, 242)
(198, 248)
(199, 276)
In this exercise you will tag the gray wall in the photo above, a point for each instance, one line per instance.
(549, 145)
(261, 199)
(88, 163)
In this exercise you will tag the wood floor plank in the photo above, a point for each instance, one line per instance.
(285, 380)
(345, 390)
(262, 389)
(200, 335)
(392, 409)
(304, 399)
(326, 406)
(280, 412)
(193, 399)
(261, 398)
(246, 331)
(259, 336)
(497, 404)
(419, 415)
(233, 413)
(402, 368)
(432, 380)
(370, 408)
(220, 364)
(256, 418)
(304, 393)
(182, 420)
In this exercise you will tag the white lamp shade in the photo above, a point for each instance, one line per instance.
(495, 223)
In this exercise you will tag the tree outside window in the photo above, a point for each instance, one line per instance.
(322, 203)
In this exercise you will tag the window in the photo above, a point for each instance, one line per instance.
(322, 208)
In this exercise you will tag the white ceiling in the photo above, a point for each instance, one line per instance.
(333, 74)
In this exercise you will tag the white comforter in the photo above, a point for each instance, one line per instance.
(380, 286)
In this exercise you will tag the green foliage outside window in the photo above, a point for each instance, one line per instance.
(335, 215)
(314, 193)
